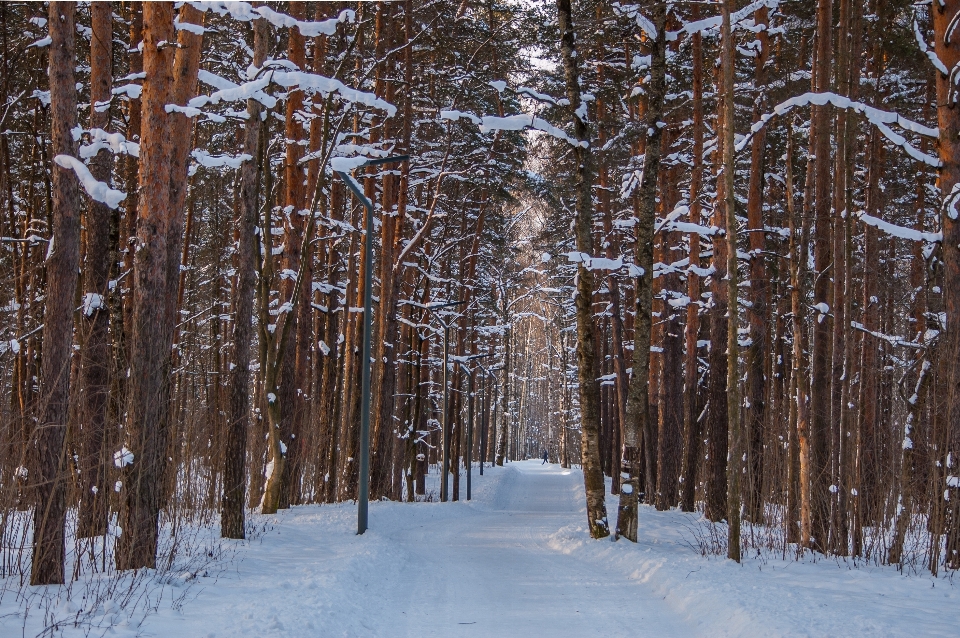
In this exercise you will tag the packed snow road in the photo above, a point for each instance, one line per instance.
(517, 561)
(495, 574)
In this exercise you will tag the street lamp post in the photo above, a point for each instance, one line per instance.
(364, 486)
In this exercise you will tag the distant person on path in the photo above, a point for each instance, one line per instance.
(545, 458)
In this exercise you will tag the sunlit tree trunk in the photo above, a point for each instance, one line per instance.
(95, 355)
(235, 449)
(945, 14)
(144, 436)
(586, 365)
(816, 473)
(691, 403)
(758, 313)
(63, 259)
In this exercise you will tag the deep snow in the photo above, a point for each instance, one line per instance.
(517, 561)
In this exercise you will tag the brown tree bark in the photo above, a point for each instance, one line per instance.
(691, 404)
(817, 471)
(293, 365)
(948, 115)
(638, 422)
(95, 354)
(758, 313)
(143, 433)
(131, 205)
(63, 259)
(586, 366)
(735, 445)
(717, 435)
(235, 448)
(799, 419)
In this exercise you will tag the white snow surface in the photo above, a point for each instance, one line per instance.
(97, 190)
(517, 561)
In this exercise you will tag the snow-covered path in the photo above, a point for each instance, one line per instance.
(495, 574)
(517, 561)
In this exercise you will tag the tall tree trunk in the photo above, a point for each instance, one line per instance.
(691, 404)
(945, 15)
(292, 386)
(144, 435)
(841, 439)
(638, 421)
(235, 449)
(131, 208)
(717, 434)
(817, 471)
(799, 422)
(186, 64)
(589, 390)
(95, 355)
(63, 259)
(758, 313)
(734, 466)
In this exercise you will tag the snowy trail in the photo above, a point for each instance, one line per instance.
(517, 561)
(496, 574)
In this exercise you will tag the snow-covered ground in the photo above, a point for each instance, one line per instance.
(517, 561)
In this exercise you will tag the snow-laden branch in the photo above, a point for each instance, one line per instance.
(670, 224)
(114, 142)
(97, 190)
(899, 231)
(522, 121)
(632, 11)
(594, 263)
(245, 12)
(892, 340)
(230, 92)
(313, 83)
(926, 50)
(490, 123)
(875, 116)
(737, 20)
(205, 159)
(543, 97)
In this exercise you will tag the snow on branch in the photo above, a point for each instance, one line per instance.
(633, 11)
(454, 116)
(205, 159)
(892, 340)
(670, 224)
(230, 92)
(688, 227)
(899, 231)
(543, 97)
(875, 116)
(737, 19)
(519, 122)
(97, 190)
(594, 263)
(311, 82)
(926, 50)
(245, 12)
(114, 142)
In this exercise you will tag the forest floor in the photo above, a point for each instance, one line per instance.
(517, 561)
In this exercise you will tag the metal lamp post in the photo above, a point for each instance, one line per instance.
(364, 487)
